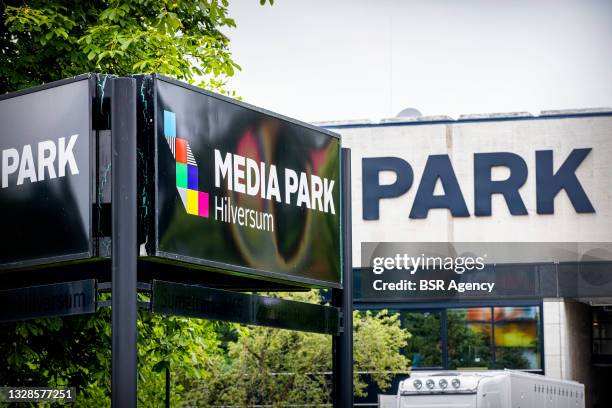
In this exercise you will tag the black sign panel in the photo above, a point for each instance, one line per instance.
(59, 299)
(45, 174)
(244, 190)
(216, 304)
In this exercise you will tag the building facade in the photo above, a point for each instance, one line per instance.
(539, 185)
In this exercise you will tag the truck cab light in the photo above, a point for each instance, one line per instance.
(430, 384)
(417, 384)
(443, 383)
(456, 383)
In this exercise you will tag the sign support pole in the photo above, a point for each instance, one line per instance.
(124, 243)
(168, 386)
(343, 344)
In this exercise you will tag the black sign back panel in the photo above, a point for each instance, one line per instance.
(202, 220)
(207, 303)
(45, 178)
(59, 299)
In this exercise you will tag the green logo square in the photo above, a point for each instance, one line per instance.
(181, 175)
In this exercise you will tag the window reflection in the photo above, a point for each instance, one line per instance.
(469, 338)
(516, 337)
(602, 332)
(477, 338)
(424, 348)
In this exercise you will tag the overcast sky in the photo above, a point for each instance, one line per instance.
(353, 59)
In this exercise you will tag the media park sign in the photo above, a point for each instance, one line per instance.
(222, 185)
(143, 183)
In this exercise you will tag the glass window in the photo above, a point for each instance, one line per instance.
(602, 332)
(480, 338)
(424, 347)
(469, 338)
(516, 337)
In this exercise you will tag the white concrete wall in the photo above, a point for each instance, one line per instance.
(556, 353)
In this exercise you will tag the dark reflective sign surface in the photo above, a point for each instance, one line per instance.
(245, 191)
(216, 304)
(45, 176)
(60, 299)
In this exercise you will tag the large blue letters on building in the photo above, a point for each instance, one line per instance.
(439, 167)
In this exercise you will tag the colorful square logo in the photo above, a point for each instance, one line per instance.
(187, 178)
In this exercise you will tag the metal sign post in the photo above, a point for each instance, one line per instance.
(124, 243)
(343, 344)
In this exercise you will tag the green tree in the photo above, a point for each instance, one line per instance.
(424, 348)
(75, 351)
(467, 347)
(271, 366)
(511, 357)
(47, 40)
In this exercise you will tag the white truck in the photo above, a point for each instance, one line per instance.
(487, 389)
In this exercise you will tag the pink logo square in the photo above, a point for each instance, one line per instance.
(203, 204)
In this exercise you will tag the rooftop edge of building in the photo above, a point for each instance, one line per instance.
(560, 113)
